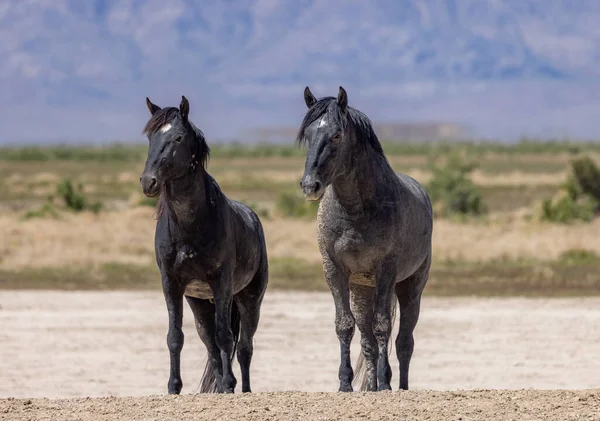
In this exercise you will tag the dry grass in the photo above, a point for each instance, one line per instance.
(83, 239)
(115, 248)
(511, 239)
(126, 237)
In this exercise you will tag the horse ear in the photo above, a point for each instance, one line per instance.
(309, 98)
(152, 107)
(184, 107)
(342, 99)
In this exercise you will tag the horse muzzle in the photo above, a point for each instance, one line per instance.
(312, 188)
(150, 185)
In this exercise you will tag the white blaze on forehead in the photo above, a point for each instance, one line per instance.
(165, 128)
(323, 122)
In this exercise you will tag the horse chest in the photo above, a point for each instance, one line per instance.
(358, 251)
(194, 270)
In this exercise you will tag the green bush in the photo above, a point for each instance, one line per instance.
(587, 176)
(566, 209)
(451, 190)
(296, 206)
(579, 196)
(74, 198)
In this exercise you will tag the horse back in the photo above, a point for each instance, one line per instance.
(417, 193)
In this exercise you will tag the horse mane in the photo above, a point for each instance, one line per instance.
(165, 116)
(361, 123)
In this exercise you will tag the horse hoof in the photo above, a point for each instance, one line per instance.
(175, 387)
(345, 388)
(383, 387)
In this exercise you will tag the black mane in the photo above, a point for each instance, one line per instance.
(360, 122)
(167, 115)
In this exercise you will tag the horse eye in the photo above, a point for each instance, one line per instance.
(178, 139)
(337, 136)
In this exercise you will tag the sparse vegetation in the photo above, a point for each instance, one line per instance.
(74, 199)
(579, 197)
(574, 275)
(49, 243)
(47, 210)
(136, 152)
(451, 190)
(293, 204)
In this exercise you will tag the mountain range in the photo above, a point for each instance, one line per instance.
(79, 71)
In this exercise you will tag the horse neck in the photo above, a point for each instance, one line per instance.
(186, 197)
(363, 170)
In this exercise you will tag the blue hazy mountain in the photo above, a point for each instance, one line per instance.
(80, 70)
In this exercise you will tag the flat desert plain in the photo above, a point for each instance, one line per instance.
(103, 356)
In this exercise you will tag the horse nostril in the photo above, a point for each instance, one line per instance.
(317, 186)
(152, 182)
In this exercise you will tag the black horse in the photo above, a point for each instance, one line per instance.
(374, 232)
(209, 248)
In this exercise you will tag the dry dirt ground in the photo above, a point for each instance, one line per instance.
(102, 344)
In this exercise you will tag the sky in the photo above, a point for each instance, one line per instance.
(79, 70)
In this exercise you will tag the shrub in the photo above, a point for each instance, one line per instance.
(564, 209)
(587, 176)
(74, 198)
(452, 192)
(297, 206)
(579, 196)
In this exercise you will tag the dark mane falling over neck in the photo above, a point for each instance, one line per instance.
(359, 122)
(202, 150)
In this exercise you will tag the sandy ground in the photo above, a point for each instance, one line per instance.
(525, 405)
(99, 344)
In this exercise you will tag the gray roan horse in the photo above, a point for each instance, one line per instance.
(374, 232)
(208, 248)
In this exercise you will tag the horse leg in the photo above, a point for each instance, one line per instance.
(204, 315)
(223, 300)
(382, 323)
(249, 301)
(337, 281)
(362, 300)
(174, 300)
(409, 294)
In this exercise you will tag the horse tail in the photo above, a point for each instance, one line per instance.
(208, 383)
(360, 380)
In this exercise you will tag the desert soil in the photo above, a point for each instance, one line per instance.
(112, 346)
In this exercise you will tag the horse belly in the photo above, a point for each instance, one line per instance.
(199, 289)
